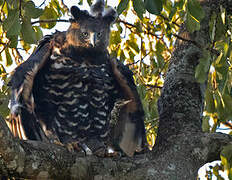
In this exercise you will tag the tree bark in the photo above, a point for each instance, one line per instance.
(181, 147)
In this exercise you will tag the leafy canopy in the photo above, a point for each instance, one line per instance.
(144, 42)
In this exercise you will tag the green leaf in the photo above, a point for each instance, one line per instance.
(219, 105)
(222, 72)
(31, 11)
(226, 156)
(26, 46)
(2, 69)
(200, 74)
(122, 6)
(89, 2)
(12, 3)
(210, 104)
(160, 60)
(205, 124)
(195, 9)
(12, 24)
(38, 32)
(4, 100)
(142, 91)
(203, 67)
(133, 45)
(4, 8)
(28, 33)
(80, 2)
(224, 103)
(220, 29)
(122, 56)
(139, 8)
(227, 99)
(56, 5)
(192, 23)
(139, 27)
(160, 47)
(115, 37)
(132, 57)
(49, 13)
(8, 57)
(212, 26)
(13, 41)
(168, 6)
(154, 6)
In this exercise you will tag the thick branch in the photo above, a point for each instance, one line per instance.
(28, 159)
(37, 160)
(187, 149)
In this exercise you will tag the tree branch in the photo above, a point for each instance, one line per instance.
(213, 51)
(187, 40)
(154, 86)
(42, 3)
(37, 160)
(130, 26)
(49, 21)
(168, 20)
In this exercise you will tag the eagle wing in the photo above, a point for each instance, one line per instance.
(23, 122)
(129, 130)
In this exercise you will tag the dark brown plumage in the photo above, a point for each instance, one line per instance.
(66, 91)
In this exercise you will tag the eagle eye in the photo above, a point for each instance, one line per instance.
(99, 35)
(85, 34)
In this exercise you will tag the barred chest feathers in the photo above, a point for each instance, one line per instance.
(69, 87)
(83, 92)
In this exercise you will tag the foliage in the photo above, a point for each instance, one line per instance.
(144, 43)
(18, 32)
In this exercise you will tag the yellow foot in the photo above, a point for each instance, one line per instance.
(73, 146)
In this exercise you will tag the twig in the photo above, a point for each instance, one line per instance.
(188, 40)
(42, 3)
(154, 86)
(64, 5)
(166, 19)
(20, 8)
(130, 26)
(17, 56)
(140, 60)
(49, 21)
(126, 23)
(5, 46)
(213, 51)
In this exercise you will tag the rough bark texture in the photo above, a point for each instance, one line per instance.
(181, 148)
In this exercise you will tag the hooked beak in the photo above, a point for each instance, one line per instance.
(93, 39)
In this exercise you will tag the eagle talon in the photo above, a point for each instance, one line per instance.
(72, 146)
(101, 152)
(58, 143)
